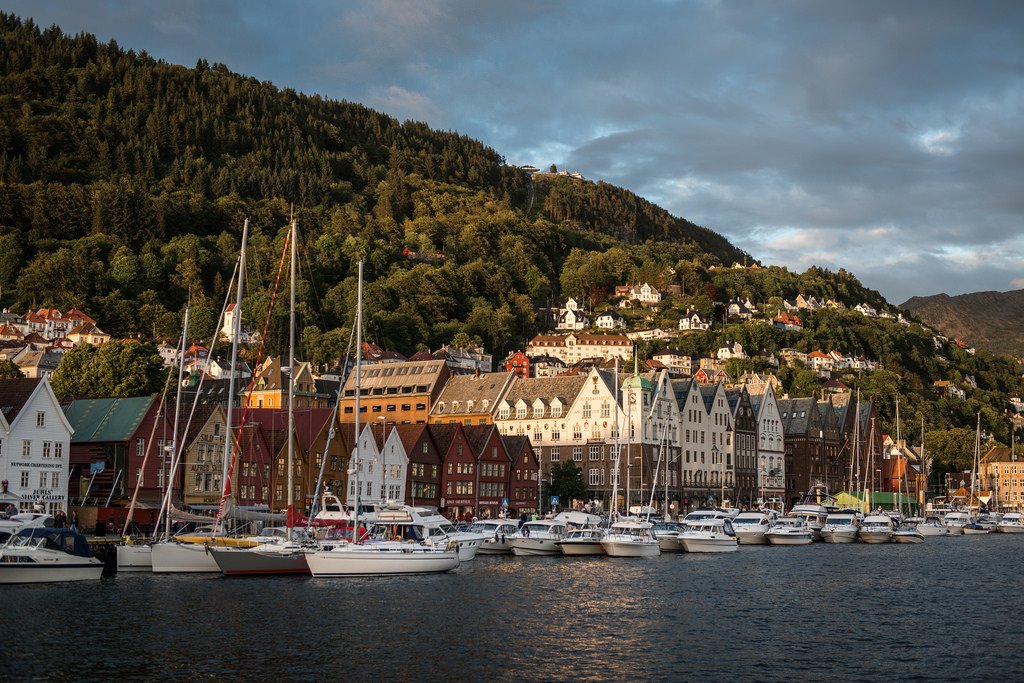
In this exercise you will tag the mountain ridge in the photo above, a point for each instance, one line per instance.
(992, 319)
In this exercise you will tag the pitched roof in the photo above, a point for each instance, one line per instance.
(797, 413)
(565, 387)
(97, 420)
(465, 388)
(411, 436)
(14, 394)
(443, 435)
(477, 435)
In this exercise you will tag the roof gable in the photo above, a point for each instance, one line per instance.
(107, 419)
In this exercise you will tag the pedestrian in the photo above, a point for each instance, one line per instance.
(60, 519)
(74, 520)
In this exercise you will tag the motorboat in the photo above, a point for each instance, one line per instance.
(584, 541)
(667, 534)
(815, 506)
(1011, 523)
(751, 527)
(975, 528)
(877, 529)
(841, 527)
(989, 520)
(385, 558)
(907, 532)
(709, 536)
(704, 513)
(932, 526)
(956, 521)
(439, 526)
(630, 538)
(790, 531)
(496, 533)
(539, 537)
(10, 525)
(40, 554)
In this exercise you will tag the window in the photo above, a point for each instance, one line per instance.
(586, 410)
(26, 448)
(538, 410)
(595, 452)
(556, 410)
(42, 480)
(521, 412)
(577, 432)
(40, 419)
(138, 476)
(577, 453)
(555, 455)
(46, 448)
(595, 477)
(537, 436)
(140, 446)
(555, 433)
(503, 413)
(24, 479)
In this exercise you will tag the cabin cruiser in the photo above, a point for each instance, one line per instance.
(631, 538)
(877, 529)
(709, 536)
(11, 524)
(539, 537)
(751, 527)
(932, 526)
(956, 521)
(667, 534)
(40, 554)
(907, 532)
(790, 531)
(815, 506)
(496, 534)
(841, 527)
(1011, 523)
(584, 541)
(989, 520)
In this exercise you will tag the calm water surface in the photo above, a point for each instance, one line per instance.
(948, 609)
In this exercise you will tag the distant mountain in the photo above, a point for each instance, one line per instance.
(994, 320)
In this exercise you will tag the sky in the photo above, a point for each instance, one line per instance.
(886, 138)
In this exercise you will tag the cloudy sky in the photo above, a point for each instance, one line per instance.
(886, 138)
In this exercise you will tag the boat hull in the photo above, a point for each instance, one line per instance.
(670, 544)
(535, 546)
(790, 539)
(134, 558)
(907, 537)
(581, 548)
(247, 562)
(751, 537)
(972, 531)
(876, 536)
(709, 545)
(494, 547)
(1010, 528)
(839, 535)
(630, 549)
(35, 572)
(182, 558)
(392, 562)
(931, 530)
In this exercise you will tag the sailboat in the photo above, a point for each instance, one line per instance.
(972, 527)
(905, 531)
(277, 554)
(188, 553)
(378, 555)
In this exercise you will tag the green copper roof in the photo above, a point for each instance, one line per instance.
(637, 381)
(106, 419)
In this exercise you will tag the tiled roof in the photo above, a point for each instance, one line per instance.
(477, 435)
(464, 388)
(443, 435)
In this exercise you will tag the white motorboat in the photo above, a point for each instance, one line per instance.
(976, 529)
(877, 529)
(790, 531)
(667, 534)
(709, 536)
(39, 554)
(989, 520)
(932, 526)
(440, 527)
(631, 538)
(956, 521)
(539, 537)
(1011, 523)
(386, 558)
(751, 527)
(907, 533)
(10, 525)
(585, 541)
(841, 527)
(815, 506)
(496, 533)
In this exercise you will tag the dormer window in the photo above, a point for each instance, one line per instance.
(503, 413)
(521, 411)
(538, 411)
(556, 410)
(440, 407)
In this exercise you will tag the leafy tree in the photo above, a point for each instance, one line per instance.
(116, 369)
(9, 370)
(567, 482)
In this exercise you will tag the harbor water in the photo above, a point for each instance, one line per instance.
(948, 609)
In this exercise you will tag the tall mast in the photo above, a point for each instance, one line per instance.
(236, 330)
(354, 468)
(291, 385)
(614, 507)
(177, 414)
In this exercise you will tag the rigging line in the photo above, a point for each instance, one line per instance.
(176, 457)
(304, 260)
(226, 490)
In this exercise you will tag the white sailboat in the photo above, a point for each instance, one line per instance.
(905, 531)
(377, 558)
(278, 555)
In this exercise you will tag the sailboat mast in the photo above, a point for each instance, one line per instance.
(177, 414)
(236, 330)
(354, 468)
(291, 385)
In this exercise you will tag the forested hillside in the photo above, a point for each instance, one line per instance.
(125, 181)
(994, 320)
